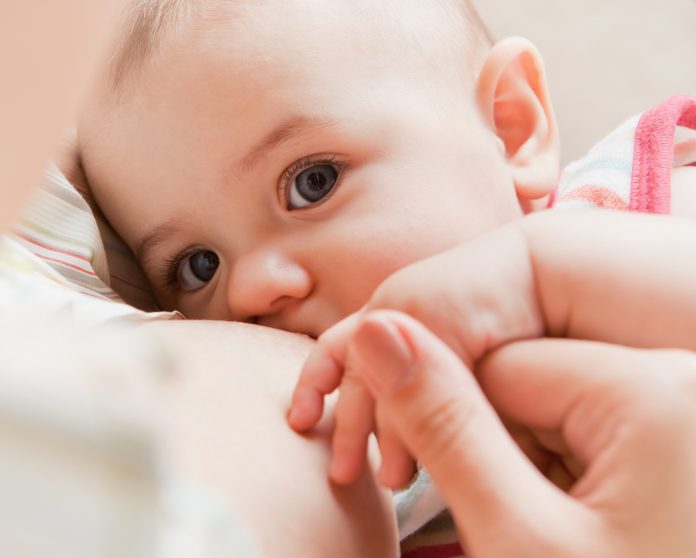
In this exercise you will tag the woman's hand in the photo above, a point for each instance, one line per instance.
(621, 421)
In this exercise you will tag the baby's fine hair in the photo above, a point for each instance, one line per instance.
(149, 22)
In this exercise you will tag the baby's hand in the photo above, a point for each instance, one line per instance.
(475, 297)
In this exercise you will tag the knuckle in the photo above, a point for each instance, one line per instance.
(443, 427)
(387, 295)
(347, 439)
(351, 377)
(349, 434)
(398, 295)
(396, 290)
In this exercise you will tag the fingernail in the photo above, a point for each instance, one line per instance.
(384, 355)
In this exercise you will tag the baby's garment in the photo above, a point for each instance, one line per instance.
(55, 262)
(631, 168)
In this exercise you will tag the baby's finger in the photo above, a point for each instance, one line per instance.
(355, 421)
(320, 376)
(397, 467)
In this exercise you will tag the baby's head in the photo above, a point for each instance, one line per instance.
(275, 160)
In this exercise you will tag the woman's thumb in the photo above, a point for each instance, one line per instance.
(445, 421)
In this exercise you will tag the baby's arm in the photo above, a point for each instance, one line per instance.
(597, 275)
(621, 278)
(684, 191)
(618, 278)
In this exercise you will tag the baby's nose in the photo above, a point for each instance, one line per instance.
(263, 283)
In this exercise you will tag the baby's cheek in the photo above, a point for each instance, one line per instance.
(367, 249)
(370, 273)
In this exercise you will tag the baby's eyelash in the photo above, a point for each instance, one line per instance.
(303, 164)
(168, 276)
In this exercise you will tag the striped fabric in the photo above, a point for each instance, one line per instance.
(29, 286)
(55, 261)
(124, 276)
(59, 228)
(603, 177)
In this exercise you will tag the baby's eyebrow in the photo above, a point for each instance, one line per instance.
(285, 131)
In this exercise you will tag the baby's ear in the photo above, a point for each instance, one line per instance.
(514, 100)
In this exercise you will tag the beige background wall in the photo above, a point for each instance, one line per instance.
(606, 59)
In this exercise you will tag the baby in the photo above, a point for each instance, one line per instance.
(275, 161)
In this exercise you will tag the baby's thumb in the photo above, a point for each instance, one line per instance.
(445, 421)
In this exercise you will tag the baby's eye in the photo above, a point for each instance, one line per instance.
(312, 185)
(197, 269)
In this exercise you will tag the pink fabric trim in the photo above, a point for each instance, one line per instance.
(653, 153)
(600, 196)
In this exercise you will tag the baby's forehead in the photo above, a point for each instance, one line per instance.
(384, 34)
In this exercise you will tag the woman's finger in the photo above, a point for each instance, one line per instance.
(624, 407)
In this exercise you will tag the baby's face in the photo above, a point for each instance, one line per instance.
(277, 168)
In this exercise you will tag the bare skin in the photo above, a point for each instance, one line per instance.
(224, 427)
(583, 275)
